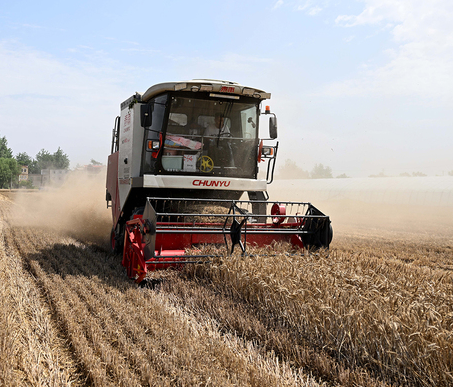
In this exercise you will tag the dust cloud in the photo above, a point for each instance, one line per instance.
(355, 212)
(77, 208)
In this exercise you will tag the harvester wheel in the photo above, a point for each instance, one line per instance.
(114, 244)
(129, 260)
(133, 259)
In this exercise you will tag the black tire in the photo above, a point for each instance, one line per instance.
(115, 245)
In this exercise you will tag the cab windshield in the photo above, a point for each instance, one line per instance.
(212, 137)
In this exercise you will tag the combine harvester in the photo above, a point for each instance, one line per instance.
(183, 155)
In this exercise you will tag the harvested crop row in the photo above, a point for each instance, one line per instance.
(121, 335)
(32, 352)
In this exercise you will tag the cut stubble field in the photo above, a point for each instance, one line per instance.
(376, 310)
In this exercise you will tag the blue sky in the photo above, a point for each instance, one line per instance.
(361, 86)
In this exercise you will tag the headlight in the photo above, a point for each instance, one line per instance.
(267, 151)
(153, 145)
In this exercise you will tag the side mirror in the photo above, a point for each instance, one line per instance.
(273, 127)
(146, 115)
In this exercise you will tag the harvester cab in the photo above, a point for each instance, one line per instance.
(183, 155)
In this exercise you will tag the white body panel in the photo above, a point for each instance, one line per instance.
(216, 86)
(203, 182)
(130, 150)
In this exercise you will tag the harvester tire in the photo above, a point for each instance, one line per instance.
(114, 244)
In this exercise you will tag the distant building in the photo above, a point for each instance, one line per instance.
(36, 179)
(23, 176)
(48, 177)
(94, 169)
(90, 169)
(53, 177)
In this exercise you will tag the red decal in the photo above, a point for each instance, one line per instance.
(227, 89)
(127, 119)
(211, 183)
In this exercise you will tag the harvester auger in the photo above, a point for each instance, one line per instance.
(183, 155)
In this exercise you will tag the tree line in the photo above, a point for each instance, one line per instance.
(290, 170)
(10, 166)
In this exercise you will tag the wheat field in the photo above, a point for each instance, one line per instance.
(376, 310)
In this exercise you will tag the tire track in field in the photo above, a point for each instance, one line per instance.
(58, 273)
(122, 335)
(62, 267)
(44, 358)
(70, 264)
(19, 240)
(57, 263)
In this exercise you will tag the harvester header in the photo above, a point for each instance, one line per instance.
(183, 156)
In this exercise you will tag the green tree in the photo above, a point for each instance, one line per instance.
(26, 184)
(44, 160)
(57, 160)
(60, 159)
(5, 151)
(94, 162)
(24, 159)
(9, 172)
(319, 171)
